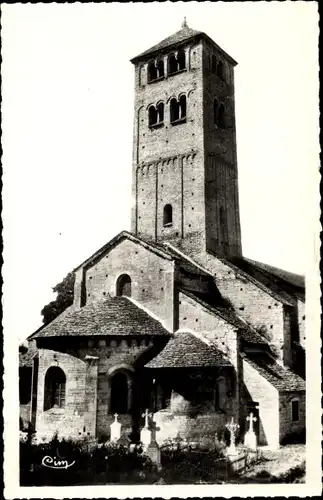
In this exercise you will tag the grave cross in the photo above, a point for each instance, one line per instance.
(251, 419)
(116, 417)
(146, 415)
(232, 428)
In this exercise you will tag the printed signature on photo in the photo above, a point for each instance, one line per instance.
(55, 463)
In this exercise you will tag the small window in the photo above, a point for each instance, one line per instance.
(182, 106)
(174, 110)
(160, 68)
(152, 116)
(168, 215)
(295, 410)
(160, 112)
(172, 64)
(181, 60)
(124, 286)
(152, 71)
(221, 116)
(55, 382)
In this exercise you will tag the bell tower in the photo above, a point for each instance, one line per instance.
(185, 183)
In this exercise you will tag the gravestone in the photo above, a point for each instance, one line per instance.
(148, 439)
(250, 439)
(115, 430)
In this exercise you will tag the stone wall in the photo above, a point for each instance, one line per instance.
(152, 279)
(86, 366)
(265, 313)
(286, 424)
(259, 390)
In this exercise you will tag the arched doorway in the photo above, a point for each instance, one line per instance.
(119, 402)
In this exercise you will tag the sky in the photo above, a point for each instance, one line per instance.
(68, 90)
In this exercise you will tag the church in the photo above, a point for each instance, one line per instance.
(171, 317)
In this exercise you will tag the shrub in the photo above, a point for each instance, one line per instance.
(93, 464)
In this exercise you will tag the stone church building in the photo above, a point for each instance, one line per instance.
(170, 316)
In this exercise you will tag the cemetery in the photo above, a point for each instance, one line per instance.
(120, 461)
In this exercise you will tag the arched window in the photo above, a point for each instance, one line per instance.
(152, 71)
(181, 63)
(221, 393)
(160, 112)
(214, 64)
(168, 215)
(55, 382)
(152, 116)
(220, 70)
(124, 286)
(172, 64)
(221, 116)
(160, 68)
(119, 393)
(174, 110)
(182, 106)
(215, 111)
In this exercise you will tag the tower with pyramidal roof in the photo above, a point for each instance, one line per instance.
(185, 180)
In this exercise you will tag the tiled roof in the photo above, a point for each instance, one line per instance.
(185, 350)
(180, 36)
(229, 315)
(279, 376)
(177, 38)
(114, 316)
(295, 280)
(285, 286)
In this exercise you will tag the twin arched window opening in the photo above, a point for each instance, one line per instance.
(55, 383)
(218, 114)
(155, 70)
(176, 63)
(156, 114)
(217, 67)
(168, 215)
(123, 286)
(178, 109)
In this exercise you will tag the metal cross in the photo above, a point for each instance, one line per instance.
(251, 419)
(146, 415)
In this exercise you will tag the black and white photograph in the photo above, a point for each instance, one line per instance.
(161, 283)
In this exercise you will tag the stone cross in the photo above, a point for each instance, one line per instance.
(251, 419)
(250, 439)
(146, 416)
(232, 428)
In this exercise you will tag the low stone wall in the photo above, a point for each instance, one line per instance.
(171, 426)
